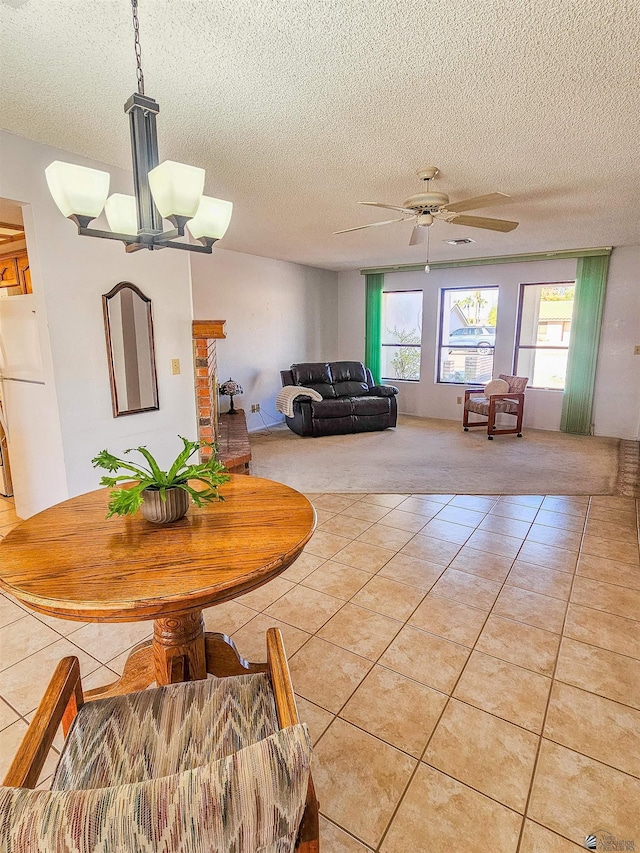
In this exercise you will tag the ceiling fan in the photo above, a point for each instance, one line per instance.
(425, 207)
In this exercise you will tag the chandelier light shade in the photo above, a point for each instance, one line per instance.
(79, 192)
(212, 219)
(122, 213)
(167, 190)
(176, 189)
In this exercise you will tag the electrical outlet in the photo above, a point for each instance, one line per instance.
(255, 407)
(636, 350)
(175, 366)
(459, 400)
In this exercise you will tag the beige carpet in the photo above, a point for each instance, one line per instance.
(425, 455)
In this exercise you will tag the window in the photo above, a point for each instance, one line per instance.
(468, 320)
(544, 328)
(401, 334)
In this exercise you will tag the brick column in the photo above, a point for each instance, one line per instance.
(205, 366)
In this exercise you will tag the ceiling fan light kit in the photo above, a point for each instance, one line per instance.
(422, 209)
(167, 190)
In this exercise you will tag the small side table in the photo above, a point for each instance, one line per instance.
(234, 450)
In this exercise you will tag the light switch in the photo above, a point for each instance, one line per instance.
(175, 366)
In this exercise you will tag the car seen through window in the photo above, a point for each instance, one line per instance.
(477, 337)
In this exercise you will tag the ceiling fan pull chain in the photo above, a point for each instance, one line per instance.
(138, 49)
(427, 268)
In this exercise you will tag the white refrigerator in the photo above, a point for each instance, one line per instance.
(20, 371)
(6, 487)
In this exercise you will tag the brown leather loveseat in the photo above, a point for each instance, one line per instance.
(351, 401)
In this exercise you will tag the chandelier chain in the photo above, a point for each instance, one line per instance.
(138, 49)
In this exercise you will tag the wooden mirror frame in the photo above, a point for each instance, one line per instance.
(130, 368)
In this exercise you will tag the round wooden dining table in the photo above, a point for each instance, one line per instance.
(71, 562)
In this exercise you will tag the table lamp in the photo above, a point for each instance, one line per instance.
(230, 388)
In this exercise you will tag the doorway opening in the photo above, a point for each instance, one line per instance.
(15, 285)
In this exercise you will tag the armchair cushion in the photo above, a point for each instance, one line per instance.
(140, 736)
(517, 384)
(496, 386)
(251, 800)
(480, 405)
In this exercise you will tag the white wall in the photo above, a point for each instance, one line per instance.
(616, 408)
(277, 313)
(73, 419)
(351, 315)
(617, 397)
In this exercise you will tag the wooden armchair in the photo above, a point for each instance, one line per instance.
(500, 396)
(217, 764)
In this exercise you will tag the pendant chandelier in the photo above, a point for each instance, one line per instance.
(167, 190)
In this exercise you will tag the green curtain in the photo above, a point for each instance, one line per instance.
(577, 402)
(373, 329)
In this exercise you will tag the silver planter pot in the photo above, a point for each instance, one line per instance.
(156, 510)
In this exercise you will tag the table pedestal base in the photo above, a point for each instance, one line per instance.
(181, 650)
(178, 648)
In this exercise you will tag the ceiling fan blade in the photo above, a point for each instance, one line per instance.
(370, 225)
(478, 202)
(387, 206)
(484, 222)
(418, 235)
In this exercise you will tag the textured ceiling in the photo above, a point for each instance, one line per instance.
(299, 109)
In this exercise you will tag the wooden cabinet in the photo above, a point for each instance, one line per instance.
(8, 271)
(15, 273)
(24, 273)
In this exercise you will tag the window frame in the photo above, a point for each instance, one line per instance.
(439, 347)
(416, 346)
(517, 346)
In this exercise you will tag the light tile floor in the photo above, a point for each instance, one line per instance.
(469, 667)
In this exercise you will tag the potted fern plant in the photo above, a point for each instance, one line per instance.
(161, 496)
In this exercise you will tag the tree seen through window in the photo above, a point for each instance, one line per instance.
(401, 335)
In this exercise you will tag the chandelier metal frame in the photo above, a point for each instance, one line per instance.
(142, 111)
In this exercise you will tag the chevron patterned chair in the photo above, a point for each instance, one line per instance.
(502, 396)
(219, 765)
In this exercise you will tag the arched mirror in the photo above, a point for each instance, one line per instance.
(130, 351)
